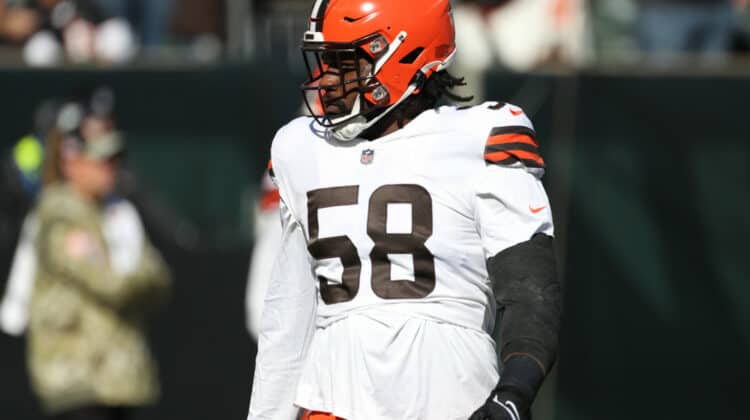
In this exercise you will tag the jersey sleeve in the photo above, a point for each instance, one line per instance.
(284, 152)
(509, 137)
(513, 144)
(287, 321)
(511, 204)
(286, 327)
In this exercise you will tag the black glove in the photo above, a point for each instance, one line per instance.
(503, 404)
(512, 397)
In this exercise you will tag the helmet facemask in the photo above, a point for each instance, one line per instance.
(405, 43)
(357, 77)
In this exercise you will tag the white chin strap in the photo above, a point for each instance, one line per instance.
(350, 130)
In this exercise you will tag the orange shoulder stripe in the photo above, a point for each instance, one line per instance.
(511, 138)
(511, 156)
(497, 156)
(522, 154)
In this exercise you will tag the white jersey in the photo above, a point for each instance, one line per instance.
(397, 232)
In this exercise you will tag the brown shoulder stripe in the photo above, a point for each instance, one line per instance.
(512, 134)
(504, 147)
(513, 129)
(507, 145)
(531, 160)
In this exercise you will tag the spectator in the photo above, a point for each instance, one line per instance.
(203, 23)
(669, 28)
(87, 352)
(17, 23)
(521, 35)
(52, 31)
(122, 224)
(151, 18)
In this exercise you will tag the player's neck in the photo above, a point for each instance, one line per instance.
(377, 131)
(392, 122)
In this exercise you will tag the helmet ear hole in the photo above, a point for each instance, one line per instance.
(418, 81)
(412, 56)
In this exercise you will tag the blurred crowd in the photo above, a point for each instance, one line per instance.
(514, 34)
(520, 35)
(111, 32)
(524, 34)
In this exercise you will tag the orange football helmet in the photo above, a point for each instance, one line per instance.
(405, 40)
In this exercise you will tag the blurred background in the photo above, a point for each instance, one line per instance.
(640, 106)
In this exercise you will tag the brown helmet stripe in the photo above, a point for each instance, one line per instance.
(316, 17)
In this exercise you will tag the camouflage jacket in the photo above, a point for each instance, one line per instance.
(87, 343)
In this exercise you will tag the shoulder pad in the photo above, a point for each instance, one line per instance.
(291, 137)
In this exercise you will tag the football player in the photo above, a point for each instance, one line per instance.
(405, 226)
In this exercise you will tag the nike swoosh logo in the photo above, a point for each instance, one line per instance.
(516, 112)
(536, 210)
(508, 406)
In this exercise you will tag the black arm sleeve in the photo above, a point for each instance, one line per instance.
(528, 292)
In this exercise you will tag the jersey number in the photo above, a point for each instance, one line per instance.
(385, 243)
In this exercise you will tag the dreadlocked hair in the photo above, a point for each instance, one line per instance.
(438, 86)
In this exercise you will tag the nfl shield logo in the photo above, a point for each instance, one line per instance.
(367, 156)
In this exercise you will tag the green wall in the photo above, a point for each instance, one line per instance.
(651, 179)
(197, 137)
(650, 182)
